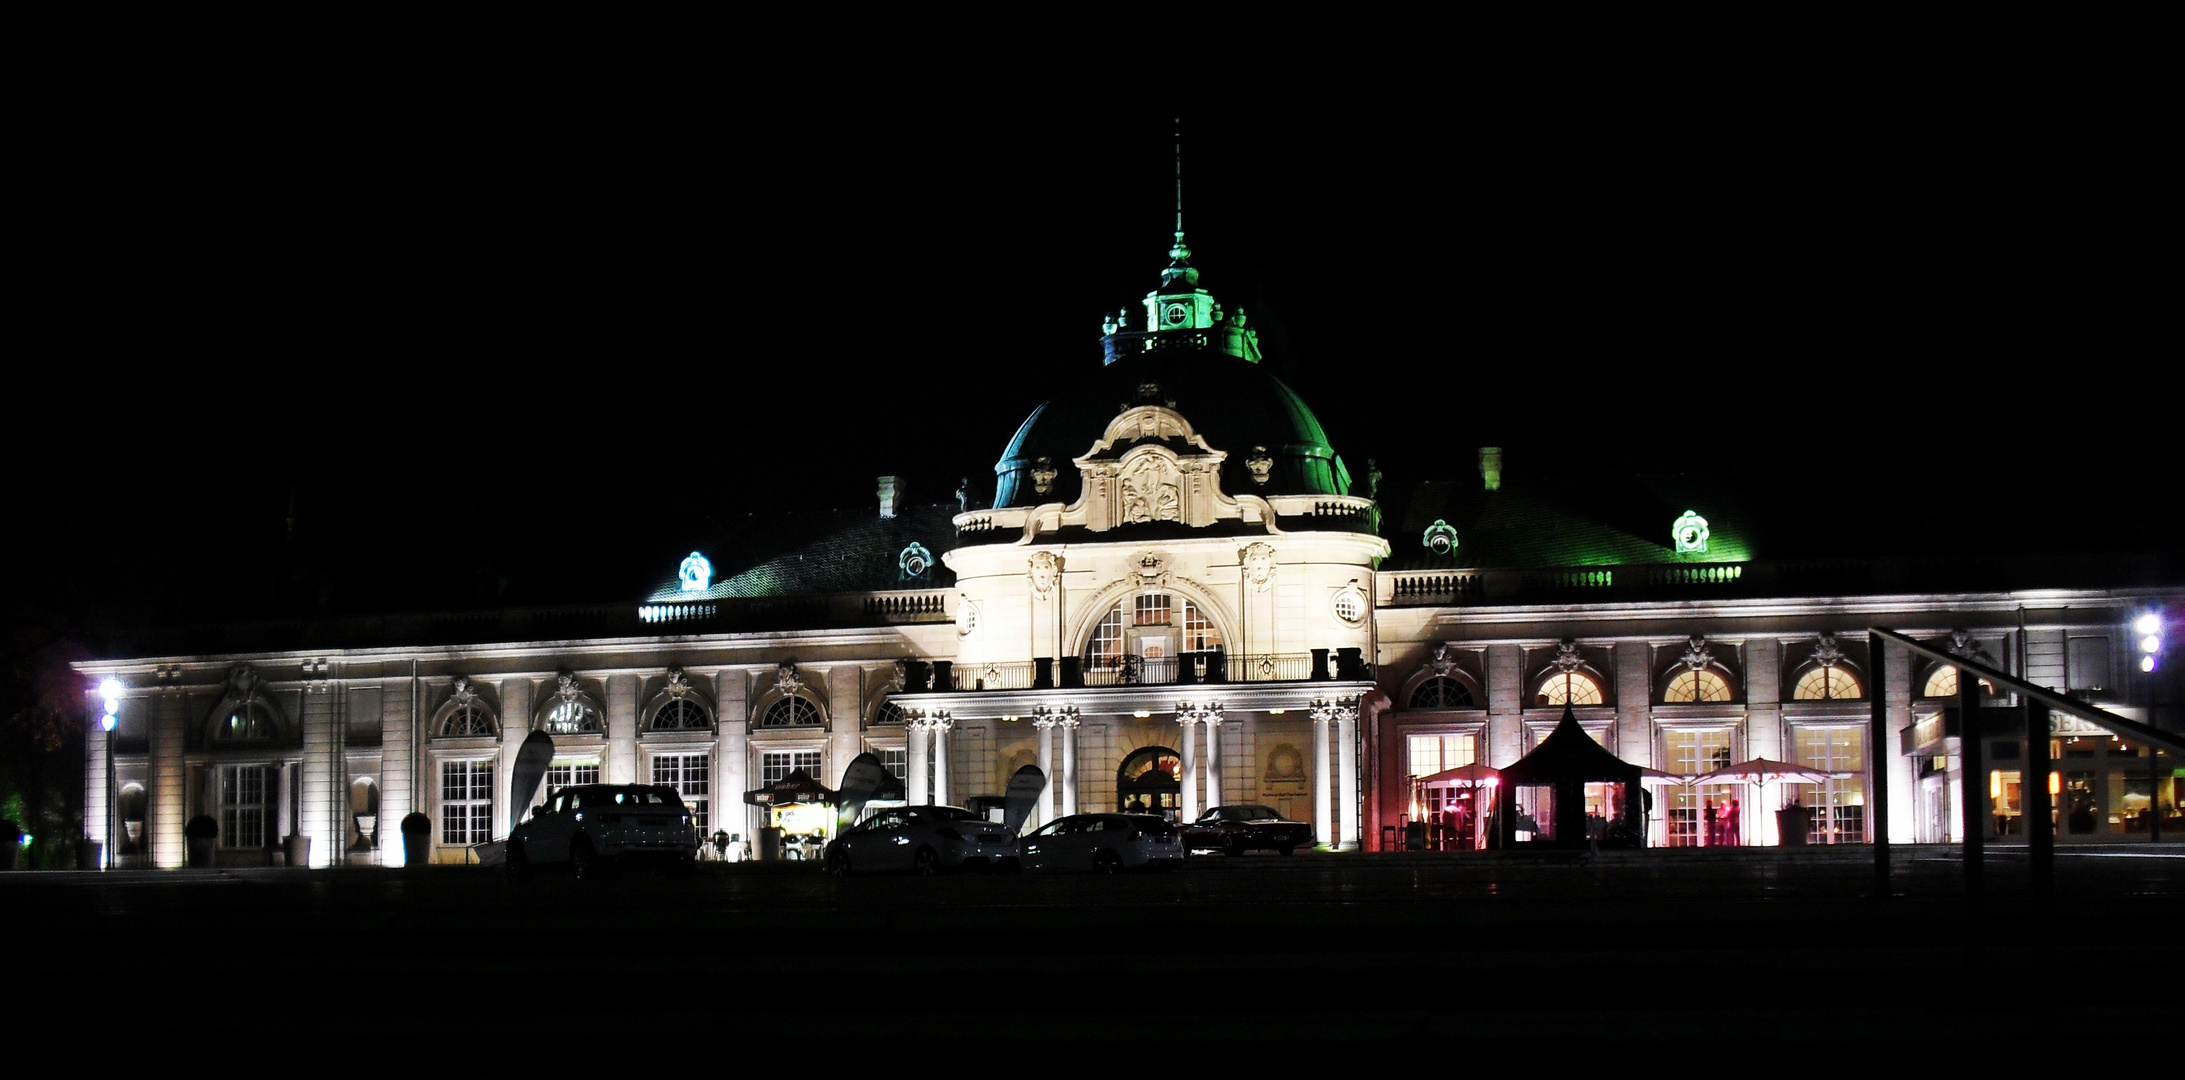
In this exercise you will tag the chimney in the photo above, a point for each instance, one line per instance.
(1490, 467)
(891, 492)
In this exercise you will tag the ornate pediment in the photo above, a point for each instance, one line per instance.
(1150, 466)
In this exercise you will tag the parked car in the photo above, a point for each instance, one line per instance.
(1103, 843)
(598, 828)
(1234, 830)
(921, 840)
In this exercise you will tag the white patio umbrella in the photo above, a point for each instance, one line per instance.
(1761, 772)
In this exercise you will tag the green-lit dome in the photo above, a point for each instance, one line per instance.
(1232, 403)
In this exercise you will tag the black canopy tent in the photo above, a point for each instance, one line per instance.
(1563, 764)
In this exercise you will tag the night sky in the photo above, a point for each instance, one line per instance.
(494, 345)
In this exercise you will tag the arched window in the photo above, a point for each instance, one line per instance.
(248, 721)
(1696, 687)
(1568, 688)
(889, 714)
(681, 714)
(1826, 684)
(467, 718)
(1152, 626)
(1441, 692)
(791, 712)
(1150, 781)
(572, 717)
(1943, 683)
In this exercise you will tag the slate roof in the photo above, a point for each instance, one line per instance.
(833, 551)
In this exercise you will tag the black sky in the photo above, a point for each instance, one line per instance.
(477, 325)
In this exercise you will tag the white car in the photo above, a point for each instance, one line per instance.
(921, 840)
(1103, 843)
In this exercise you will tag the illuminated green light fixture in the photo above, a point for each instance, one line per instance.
(1690, 533)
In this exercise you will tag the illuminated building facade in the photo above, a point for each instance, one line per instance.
(1180, 597)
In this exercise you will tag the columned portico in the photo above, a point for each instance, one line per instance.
(1346, 734)
(1046, 808)
(940, 724)
(1067, 723)
(1323, 826)
(915, 761)
(1190, 747)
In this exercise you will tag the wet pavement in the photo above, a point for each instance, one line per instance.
(1749, 946)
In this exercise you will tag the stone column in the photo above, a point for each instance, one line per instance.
(167, 805)
(96, 790)
(1189, 722)
(1045, 811)
(1323, 828)
(1346, 734)
(1068, 722)
(1213, 756)
(941, 724)
(621, 720)
(914, 760)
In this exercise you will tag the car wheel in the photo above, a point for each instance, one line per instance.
(516, 862)
(584, 862)
(925, 863)
(1236, 847)
(838, 862)
(1106, 862)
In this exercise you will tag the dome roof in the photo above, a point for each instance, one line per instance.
(1232, 403)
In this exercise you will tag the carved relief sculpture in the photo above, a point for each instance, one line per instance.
(1046, 566)
(1259, 565)
(1043, 476)
(1259, 464)
(1152, 490)
(785, 678)
(1696, 655)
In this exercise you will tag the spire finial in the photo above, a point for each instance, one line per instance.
(1179, 252)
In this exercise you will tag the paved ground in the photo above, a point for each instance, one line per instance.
(1680, 949)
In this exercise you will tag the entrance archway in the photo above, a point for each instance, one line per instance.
(1152, 778)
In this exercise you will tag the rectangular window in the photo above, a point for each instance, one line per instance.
(1431, 754)
(896, 761)
(466, 802)
(1199, 632)
(242, 806)
(1153, 610)
(2089, 660)
(1701, 815)
(775, 765)
(691, 775)
(563, 773)
(1838, 807)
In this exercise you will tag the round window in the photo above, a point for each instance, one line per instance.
(1350, 606)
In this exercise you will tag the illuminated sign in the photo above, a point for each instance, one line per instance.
(1690, 532)
(696, 573)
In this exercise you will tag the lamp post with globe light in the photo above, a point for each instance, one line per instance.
(2147, 635)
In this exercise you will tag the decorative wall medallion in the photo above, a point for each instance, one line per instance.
(785, 678)
(566, 682)
(1567, 659)
(1690, 533)
(1259, 464)
(1441, 662)
(967, 617)
(696, 573)
(1259, 565)
(464, 695)
(1152, 489)
(915, 560)
(1045, 568)
(1151, 568)
(1696, 655)
(1440, 538)
(678, 685)
(1827, 653)
(1043, 475)
(243, 680)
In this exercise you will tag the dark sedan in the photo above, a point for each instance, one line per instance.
(1243, 827)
